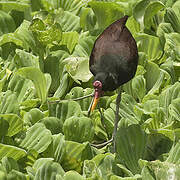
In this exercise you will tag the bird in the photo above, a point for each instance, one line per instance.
(113, 62)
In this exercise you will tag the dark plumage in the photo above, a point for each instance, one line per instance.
(114, 57)
(113, 62)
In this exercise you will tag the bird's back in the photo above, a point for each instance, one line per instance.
(115, 51)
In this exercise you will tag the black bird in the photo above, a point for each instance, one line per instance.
(113, 61)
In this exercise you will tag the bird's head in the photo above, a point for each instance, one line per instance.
(98, 92)
(103, 82)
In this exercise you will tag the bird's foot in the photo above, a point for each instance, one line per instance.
(103, 144)
(67, 100)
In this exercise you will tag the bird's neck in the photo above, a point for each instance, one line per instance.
(108, 80)
(101, 76)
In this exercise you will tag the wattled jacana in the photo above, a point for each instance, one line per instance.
(113, 61)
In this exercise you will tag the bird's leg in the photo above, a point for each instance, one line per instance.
(118, 100)
(116, 121)
(89, 109)
(83, 97)
(75, 99)
(103, 123)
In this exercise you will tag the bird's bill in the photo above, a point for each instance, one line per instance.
(95, 101)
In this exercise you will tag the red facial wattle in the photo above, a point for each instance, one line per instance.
(98, 92)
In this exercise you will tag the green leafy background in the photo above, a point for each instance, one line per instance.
(44, 54)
